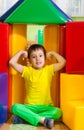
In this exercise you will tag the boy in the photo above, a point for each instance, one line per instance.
(38, 107)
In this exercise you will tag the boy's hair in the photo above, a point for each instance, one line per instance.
(34, 47)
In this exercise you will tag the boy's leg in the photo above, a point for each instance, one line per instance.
(34, 114)
(46, 111)
(26, 112)
(50, 112)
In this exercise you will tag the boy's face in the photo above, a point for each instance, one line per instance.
(37, 59)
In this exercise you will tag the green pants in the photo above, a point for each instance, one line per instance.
(34, 113)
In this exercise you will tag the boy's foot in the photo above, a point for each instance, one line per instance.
(17, 120)
(49, 123)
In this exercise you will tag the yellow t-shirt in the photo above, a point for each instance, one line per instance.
(38, 83)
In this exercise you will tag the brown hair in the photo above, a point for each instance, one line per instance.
(34, 47)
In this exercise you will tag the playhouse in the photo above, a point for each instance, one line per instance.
(27, 22)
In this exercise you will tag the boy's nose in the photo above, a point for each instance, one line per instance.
(37, 58)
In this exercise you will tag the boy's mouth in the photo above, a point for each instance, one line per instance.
(38, 63)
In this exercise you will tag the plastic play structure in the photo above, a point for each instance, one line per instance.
(55, 30)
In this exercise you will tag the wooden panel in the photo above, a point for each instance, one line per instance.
(51, 42)
(18, 43)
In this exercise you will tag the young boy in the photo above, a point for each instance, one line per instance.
(38, 107)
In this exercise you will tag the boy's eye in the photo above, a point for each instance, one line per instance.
(40, 55)
(33, 56)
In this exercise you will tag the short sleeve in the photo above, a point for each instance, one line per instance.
(25, 71)
(51, 69)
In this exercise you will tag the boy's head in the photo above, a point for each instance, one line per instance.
(37, 56)
(35, 47)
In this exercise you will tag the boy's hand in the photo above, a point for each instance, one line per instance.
(50, 55)
(24, 54)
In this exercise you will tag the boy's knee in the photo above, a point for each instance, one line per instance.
(58, 113)
(14, 108)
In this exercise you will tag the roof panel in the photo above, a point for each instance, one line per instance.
(10, 10)
(37, 12)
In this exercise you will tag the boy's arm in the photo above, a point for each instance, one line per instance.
(60, 60)
(14, 61)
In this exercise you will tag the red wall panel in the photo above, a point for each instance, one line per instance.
(62, 43)
(75, 47)
(4, 46)
(5, 52)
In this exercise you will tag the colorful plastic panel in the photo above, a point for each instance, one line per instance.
(72, 100)
(3, 114)
(62, 42)
(37, 12)
(51, 43)
(4, 88)
(19, 42)
(4, 46)
(72, 86)
(61, 11)
(75, 47)
(6, 14)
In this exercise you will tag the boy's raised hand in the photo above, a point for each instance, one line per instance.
(50, 55)
(24, 54)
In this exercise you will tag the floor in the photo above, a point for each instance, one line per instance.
(58, 126)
